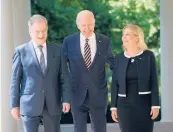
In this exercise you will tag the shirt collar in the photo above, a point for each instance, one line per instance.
(90, 38)
(36, 45)
(125, 54)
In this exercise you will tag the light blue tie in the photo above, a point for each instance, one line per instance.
(42, 59)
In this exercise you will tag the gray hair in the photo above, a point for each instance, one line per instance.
(36, 18)
(84, 12)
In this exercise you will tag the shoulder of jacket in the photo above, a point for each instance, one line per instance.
(72, 36)
(22, 46)
(148, 52)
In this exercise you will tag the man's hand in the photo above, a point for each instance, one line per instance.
(15, 113)
(65, 107)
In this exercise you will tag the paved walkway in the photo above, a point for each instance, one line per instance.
(159, 127)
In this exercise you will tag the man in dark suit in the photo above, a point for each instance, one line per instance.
(87, 54)
(39, 82)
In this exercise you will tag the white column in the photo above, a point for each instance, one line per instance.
(0, 74)
(21, 15)
(166, 60)
(14, 31)
(7, 123)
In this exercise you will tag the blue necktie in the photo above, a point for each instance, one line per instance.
(42, 60)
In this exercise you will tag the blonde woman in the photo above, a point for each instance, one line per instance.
(134, 90)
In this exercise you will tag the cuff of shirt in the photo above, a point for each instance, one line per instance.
(155, 107)
(113, 108)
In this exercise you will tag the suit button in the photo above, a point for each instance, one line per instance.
(87, 87)
(42, 91)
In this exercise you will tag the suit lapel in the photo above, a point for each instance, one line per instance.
(98, 42)
(31, 47)
(124, 63)
(78, 48)
(49, 55)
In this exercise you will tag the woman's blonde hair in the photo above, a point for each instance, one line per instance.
(136, 30)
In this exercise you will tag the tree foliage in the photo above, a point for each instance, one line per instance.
(111, 16)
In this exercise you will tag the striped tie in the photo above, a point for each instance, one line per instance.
(87, 54)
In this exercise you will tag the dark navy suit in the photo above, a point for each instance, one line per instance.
(89, 87)
(39, 94)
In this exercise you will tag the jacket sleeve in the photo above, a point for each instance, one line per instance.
(65, 77)
(114, 85)
(154, 83)
(110, 56)
(16, 78)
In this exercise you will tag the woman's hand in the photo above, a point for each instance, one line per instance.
(154, 113)
(114, 115)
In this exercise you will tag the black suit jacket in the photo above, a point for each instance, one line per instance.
(92, 80)
(147, 77)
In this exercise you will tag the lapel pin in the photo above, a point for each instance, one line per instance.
(132, 60)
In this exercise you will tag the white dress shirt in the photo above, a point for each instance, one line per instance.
(38, 53)
(92, 44)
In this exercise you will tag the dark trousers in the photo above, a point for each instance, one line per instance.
(97, 116)
(51, 122)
